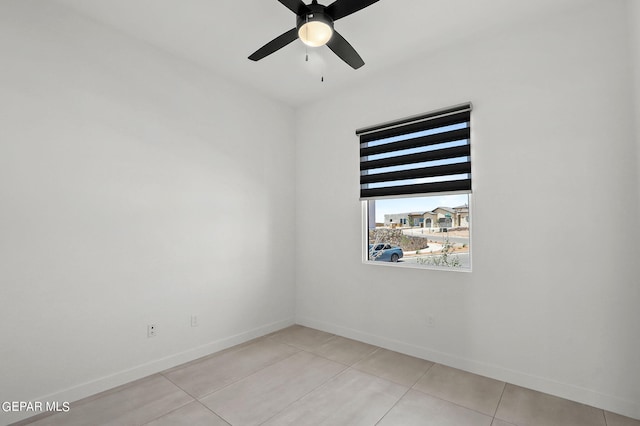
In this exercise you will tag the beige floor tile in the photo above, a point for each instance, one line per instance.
(344, 350)
(352, 398)
(526, 407)
(213, 355)
(394, 366)
(460, 387)
(192, 414)
(216, 372)
(301, 337)
(260, 396)
(417, 408)
(273, 380)
(498, 422)
(618, 420)
(133, 404)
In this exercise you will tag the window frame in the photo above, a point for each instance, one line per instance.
(450, 186)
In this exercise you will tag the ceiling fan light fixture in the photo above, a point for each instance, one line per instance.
(314, 26)
(315, 33)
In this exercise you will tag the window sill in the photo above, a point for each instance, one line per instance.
(413, 265)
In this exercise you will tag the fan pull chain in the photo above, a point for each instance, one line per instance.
(306, 47)
(306, 30)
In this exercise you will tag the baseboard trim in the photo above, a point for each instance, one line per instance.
(541, 384)
(105, 383)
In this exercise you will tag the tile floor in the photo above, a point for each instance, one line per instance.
(301, 376)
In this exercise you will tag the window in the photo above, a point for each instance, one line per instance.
(415, 185)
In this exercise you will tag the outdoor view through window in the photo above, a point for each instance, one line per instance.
(421, 231)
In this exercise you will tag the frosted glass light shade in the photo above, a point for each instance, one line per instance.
(315, 33)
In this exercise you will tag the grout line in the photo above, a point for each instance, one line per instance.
(339, 373)
(216, 414)
(387, 378)
(238, 347)
(343, 363)
(393, 406)
(455, 403)
(328, 359)
(424, 374)
(179, 387)
(500, 400)
(170, 411)
(204, 358)
(451, 402)
(245, 377)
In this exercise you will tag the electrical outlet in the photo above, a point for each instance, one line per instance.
(194, 320)
(152, 330)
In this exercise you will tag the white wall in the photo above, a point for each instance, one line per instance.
(552, 302)
(134, 188)
(634, 17)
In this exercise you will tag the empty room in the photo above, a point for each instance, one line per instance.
(352, 212)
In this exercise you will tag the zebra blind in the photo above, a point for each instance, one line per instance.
(421, 155)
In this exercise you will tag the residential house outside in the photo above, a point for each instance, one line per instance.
(438, 218)
(396, 220)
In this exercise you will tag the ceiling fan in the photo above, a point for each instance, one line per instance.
(314, 26)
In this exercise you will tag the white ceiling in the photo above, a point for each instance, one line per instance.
(221, 34)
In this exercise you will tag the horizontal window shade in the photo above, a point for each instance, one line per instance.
(444, 115)
(407, 157)
(440, 154)
(418, 142)
(425, 188)
(424, 172)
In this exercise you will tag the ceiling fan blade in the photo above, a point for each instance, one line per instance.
(296, 6)
(341, 8)
(345, 51)
(275, 44)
